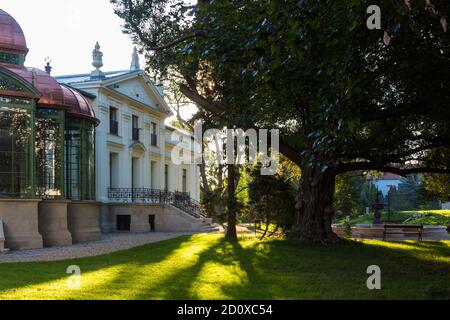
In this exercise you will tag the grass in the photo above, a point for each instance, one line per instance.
(429, 217)
(207, 267)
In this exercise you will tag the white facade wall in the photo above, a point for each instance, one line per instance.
(149, 161)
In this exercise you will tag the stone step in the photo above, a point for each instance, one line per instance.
(4, 251)
(210, 229)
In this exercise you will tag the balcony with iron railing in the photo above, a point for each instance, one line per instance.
(180, 200)
(135, 134)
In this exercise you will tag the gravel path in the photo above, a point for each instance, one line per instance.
(109, 243)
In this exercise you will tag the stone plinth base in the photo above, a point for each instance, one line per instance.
(166, 218)
(53, 223)
(83, 221)
(20, 223)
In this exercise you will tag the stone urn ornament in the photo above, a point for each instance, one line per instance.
(97, 62)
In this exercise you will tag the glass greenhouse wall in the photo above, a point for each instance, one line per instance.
(44, 152)
(80, 159)
(16, 147)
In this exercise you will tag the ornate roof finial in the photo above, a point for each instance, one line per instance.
(48, 67)
(135, 61)
(97, 62)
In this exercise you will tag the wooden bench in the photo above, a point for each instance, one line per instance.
(410, 229)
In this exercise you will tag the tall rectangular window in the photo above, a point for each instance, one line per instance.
(153, 171)
(73, 163)
(166, 177)
(154, 134)
(49, 153)
(113, 170)
(15, 130)
(135, 128)
(113, 123)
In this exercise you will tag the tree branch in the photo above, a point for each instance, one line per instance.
(151, 45)
(358, 166)
(195, 34)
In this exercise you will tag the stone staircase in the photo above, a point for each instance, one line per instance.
(194, 209)
(209, 227)
(2, 239)
(186, 221)
(189, 210)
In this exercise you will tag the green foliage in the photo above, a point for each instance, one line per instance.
(349, 194)
(410, 195)
(426, 217)
(312, 69)
(342, 99)
(272, 199)
(437, 186)
(347, 229)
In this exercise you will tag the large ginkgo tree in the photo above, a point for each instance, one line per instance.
(344, 96)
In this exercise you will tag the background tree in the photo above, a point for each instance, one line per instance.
(349, 194)
(412, 195)
(437, 186)
(272, 200)
(344, 97)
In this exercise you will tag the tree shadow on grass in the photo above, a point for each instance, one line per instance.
(14, 276)
(219, 264)
(208, 267)
(292, 270)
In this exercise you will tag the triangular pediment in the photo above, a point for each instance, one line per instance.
(140, 88)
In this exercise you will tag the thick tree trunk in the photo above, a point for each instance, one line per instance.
(231, 205)
(315, 206)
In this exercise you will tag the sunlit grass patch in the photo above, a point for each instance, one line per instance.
(208, 267)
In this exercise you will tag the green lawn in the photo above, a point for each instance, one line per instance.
(429, 217)
(207, 267)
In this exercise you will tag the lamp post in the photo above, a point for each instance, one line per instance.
(389, 201)
(377, 208)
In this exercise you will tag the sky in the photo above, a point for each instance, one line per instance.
(67, 30)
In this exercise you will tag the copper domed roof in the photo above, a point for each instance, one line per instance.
(77, 104)
(53, 94)
(11, 35)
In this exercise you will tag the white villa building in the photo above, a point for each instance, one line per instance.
(135, 174)
(89, 153)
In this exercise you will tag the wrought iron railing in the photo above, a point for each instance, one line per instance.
(180, 200)
(135, 134)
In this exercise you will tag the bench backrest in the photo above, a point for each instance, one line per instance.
(403, 226)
